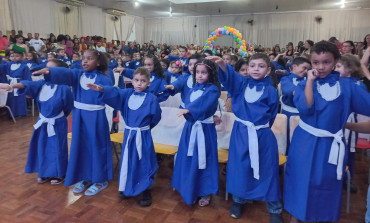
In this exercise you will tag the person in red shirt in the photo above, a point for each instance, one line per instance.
(3, 44)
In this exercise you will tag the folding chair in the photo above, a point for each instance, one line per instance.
(3, 98)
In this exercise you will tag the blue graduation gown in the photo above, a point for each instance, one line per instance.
(42, 60)
(171, 77)
(30, 64)
(135, 64)
(136, 113)
(65, 60)
(156, 84)
(183, 84)
(288, 85)
(48, 156)
(184, 61)
(112, 64)
(255, 101)
(19, 70)
(76, 64)
(90, 154)
(187, 178)
(311, 189)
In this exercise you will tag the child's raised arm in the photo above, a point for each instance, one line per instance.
(8, 87)
(45, 70)
(95, 87)
(219, 61)
(308, 91)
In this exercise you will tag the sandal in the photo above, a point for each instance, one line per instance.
(56, 180)
(94, 190)
(204, 201)
(42, 180)
(81, 186)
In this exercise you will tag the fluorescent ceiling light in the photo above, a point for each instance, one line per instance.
(194, 1)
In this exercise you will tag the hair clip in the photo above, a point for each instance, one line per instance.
(178, 63)
(201, 63)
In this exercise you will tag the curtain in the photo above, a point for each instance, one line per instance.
(93, 21)
(5, 20)
(127, 25)
(267, 30)
(66, 22)
(33, 16)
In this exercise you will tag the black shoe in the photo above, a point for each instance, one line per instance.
(276, 218)
(236, 210)
(352, 187)
(145, 199)
(121, 195)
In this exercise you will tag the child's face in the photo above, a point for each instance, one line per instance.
(272, 58)
(226, 58)
(89, 61)
(126, 58)
(29, 56)
(75, 57)
(61, 53)
(258, 69)
(182, 52)
(301, 69)
(201, 75)
(119, 61)
(324, 63)
(17, 57)
(347, 48)
(244, 70)
(163, 65)
(137, 56)
(149, 64)
(343, 71)
(191, 65)
(140, 82)
(50, 57)
(175, 68)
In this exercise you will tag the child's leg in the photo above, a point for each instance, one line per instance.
(275, 208)
(236, 208)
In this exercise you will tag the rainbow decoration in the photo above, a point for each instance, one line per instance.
(226, 30)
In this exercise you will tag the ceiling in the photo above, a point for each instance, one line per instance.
(161, 8)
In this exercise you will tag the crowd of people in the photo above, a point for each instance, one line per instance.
(325, 83)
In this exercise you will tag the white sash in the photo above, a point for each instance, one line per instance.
(88, 107)
(124, 165)
(289, 108)
(49, 121)
(197, 132)
(337, 149)
(253, 145)
(13, 80)
(352, 147)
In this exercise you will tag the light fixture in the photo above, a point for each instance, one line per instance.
(170, 10)
(136, 3)
(342, 4)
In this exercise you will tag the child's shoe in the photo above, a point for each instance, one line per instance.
(236, 210)
(121, 195)
(93, 189)
(145, 199)
(276, 218)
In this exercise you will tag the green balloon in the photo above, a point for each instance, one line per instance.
(238, 39)
(238, 45)
(207, 48)
(224, 27)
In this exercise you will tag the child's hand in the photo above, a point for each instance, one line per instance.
(217, 120)
(95, 87)
(171, 87)
(166, 57)
(312, 74)
(5, 87)
(228, 104)
(42, 71)
(219, 61)
(119, 69)
(183, 112)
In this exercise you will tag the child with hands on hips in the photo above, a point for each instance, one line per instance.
(48, 151)
(317, 154)
(195, 173)
(90, 161)
(253, 165)
(141, 112)
(157, 77)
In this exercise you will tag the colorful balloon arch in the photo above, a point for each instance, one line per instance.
(226, 30)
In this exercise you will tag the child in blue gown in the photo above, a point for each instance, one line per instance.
(90, 161)
(174, 72)
(136, 62)
(196, 168)
(141, 112)
(15, 71)
(317, 155)
(157, 77)
(48, 151)
(185, 82)
(253, 165)
(182, 58)
(300, 67)
(31, 60)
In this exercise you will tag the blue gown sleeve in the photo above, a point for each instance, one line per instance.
(299, 99)
(111, 76)
(179, 84)
(360, 99)
(67, 100)
(3, 68)
(202, 107)
(287, 87)
(171, 58)
(26, 73)
(31, 88)
(129, 73)
(163, 92)
(273, 104)
(232, 81)
(115, 97)
(156, 112)
(61, 75)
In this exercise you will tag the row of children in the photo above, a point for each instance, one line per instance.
(312, 188)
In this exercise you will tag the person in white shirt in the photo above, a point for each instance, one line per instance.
(37, 43)
(100, 48)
